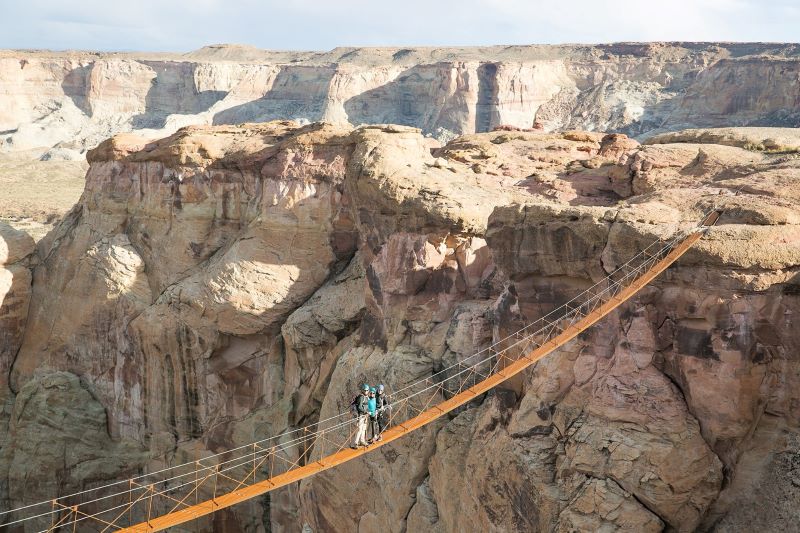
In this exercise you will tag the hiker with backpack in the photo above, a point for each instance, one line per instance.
(372, 406)
(360, 409)
(383, 409)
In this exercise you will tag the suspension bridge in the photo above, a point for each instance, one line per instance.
(180, 494)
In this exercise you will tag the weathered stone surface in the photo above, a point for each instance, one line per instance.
(58, 442)
(312, 336)
(661, 167)
(231, 283)
(755, 139)
(16, 260)
(406, 189)
(59, 104)
(14, 245)
(766, 483)
(551, 240)
(509, 488)
(602, 505)
(638, 432)
(424, 515)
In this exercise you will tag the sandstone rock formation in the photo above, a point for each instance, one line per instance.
(16, 261)
(756, 139)
(57, 105)
(228, 283)
(39, 466)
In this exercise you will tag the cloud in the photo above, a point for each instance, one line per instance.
(181, 25)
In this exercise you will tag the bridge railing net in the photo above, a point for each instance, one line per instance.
(121, 504)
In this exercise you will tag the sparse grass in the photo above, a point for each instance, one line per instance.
(753, 147)
(34, 195)
(779, 150)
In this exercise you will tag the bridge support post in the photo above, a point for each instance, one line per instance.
(254, 462)
(149, 504)
(130, 502)
(214, 494)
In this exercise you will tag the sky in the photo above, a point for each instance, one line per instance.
(184, 25)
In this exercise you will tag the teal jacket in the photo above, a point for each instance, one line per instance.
(373, 406)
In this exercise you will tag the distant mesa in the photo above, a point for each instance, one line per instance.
(48, 98)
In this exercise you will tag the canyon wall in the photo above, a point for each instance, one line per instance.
(228, 283)
(57, 105)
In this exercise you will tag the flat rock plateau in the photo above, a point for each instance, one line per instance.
(254, 240)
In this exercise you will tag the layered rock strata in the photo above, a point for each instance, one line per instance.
(228, 283)
(57, 105)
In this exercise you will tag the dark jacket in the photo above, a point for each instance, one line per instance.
(362, 404)
(380, 402)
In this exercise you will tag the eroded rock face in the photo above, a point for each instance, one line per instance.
(58, 105)
(58, 437)
(226, 284)
(602, 505)
(16, 261)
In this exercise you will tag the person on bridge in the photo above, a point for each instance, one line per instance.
(384, 411)
(372, 407)
(360, 409)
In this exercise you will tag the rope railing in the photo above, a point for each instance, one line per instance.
(269, 462)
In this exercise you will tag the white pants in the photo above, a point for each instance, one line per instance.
(361, 431)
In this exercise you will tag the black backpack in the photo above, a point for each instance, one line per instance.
(354, 404)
